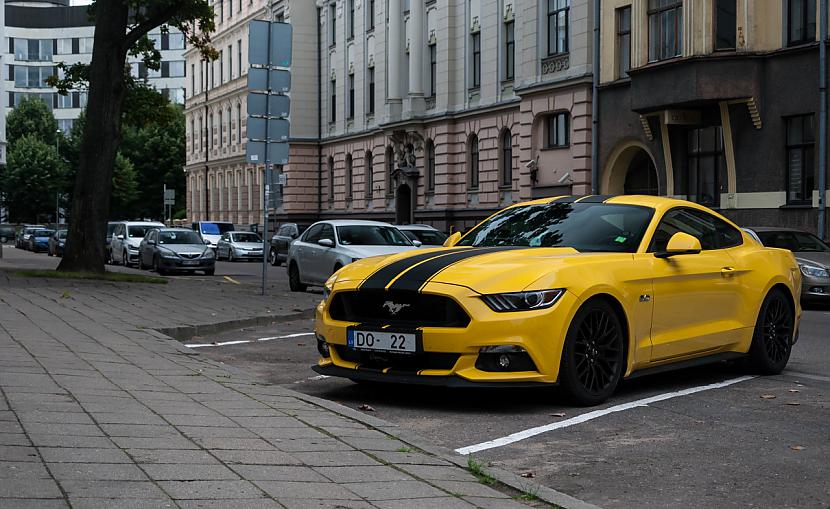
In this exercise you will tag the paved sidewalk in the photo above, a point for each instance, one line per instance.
(99, 410)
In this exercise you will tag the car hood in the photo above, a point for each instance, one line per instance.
(484, 270)
(247, 245)
(181, 249)
(370, 251)
(808, 257)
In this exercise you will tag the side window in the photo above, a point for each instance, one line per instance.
(328, 232)
(728, 236)
(697, 224)
(313, 233)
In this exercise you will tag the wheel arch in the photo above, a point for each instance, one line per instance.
(619, 310)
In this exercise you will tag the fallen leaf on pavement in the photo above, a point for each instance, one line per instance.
(768, 396)
(528, 475)
(793, 403)
(366, 408)
(797, 447)
(558, 414)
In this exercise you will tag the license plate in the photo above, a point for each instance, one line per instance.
(382, 341)
(190, 262)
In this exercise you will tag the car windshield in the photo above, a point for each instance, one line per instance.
(110, 229)
(216, 228)
(138, 232)
(245, 237)
(44, 233)
(371, 235)
(428, 237)
(582, 226)
(180, 237)
(799, 242)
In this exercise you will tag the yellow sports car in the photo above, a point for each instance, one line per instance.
(575, 291)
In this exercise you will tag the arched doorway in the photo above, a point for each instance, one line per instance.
(641, 177)
(403, 204)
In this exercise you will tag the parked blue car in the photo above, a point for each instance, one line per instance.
(39, 240)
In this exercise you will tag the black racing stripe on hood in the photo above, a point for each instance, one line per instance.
(382, 277)
(414, 279)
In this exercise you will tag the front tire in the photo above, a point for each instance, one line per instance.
(230, 256)
(125, 259)
(772, 340)
(273, 258)
(593, 354)
(294, 282)
(157, 268)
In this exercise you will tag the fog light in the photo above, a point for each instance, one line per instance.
(817, 289)
(504, 361)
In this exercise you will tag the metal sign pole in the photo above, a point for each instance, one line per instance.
(265, 176)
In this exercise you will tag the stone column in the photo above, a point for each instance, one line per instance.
(416, 58)
(393, 67)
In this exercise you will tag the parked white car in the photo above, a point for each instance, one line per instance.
(423, 233)
(329, 245)
(126, 238)
(213, 230)
(235, 246)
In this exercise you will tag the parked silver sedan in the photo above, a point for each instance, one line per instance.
(175, 249)
(329, 245)
(235, 246)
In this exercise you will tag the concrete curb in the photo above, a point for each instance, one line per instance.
(186, 332)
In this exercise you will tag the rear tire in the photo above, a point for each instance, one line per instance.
(273, 258)
(294, 281)
(157, 268)
(772, 340)
(593, 355)
(141, 265)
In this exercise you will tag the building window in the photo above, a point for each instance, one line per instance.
(369, 175)
(705, 162)
(331, 179)
(221, 10)
(430, 166)
(801, 162)
(221, 130)
(192, 79)
(665, 29)
(433, 68)
(201, 133)
(725, 24)
(333, 103)
(370, 15)
(239, 122)
(558, 14)
(332, 24)
(509, 51)
(230, 61)
(472, 162)
(390, 169)
(211, 128)
(507, 158)
(239, 57)
(557, 135)
(350, 28)
(221, 67)
(802, 22)
(351, 96)
(476, 61)
(192, 135)
(230, 127)
(370, 107)
(623, 41)
(349, 177)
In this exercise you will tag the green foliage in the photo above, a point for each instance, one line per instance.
(477, 469)
(124, 187)
(31, 117)
(34, 175)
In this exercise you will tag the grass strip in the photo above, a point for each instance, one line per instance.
(115, 277)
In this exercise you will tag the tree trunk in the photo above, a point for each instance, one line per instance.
(102, 136)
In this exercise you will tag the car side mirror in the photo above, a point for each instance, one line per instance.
(679, 244)
(326, 242)
(417, 243)
(120, 237)
(452, 239)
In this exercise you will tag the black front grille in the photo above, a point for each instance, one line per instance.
(398, 362)
(400, 309)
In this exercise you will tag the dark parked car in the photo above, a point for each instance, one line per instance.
(57, 242)
(811, 253)
(285, 235)
(175, 249)
(39, 240)
(7, 233)
(23, 234)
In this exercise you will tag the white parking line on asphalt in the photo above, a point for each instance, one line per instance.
(579, 419)
(240, 342)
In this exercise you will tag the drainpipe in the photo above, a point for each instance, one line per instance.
(319, 117)
(595, 102)
(206, 212)
(822, 123)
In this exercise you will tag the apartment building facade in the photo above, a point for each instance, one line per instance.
(402, 110)
(714, 101)
(40, 34)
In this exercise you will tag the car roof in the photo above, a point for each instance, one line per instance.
(174, 229)
(354, 222)
(416, 227)
(242, 231)
(774, 229)
(142, 223)
(213, 222)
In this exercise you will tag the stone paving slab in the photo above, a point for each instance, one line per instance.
(98, 411)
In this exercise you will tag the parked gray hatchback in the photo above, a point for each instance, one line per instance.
(175, 250)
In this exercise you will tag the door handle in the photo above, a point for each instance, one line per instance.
(727, 271)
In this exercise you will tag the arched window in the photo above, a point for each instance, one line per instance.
(331, 179)
(369, 174)
(349, 175)
(430, 165)
(472, 162)
(506, 158)
(390, 168)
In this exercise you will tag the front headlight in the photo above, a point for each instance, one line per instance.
(355, 259)
(522, 301)
(132, 248)
(329, 286)
(208, 253)
(813, 270)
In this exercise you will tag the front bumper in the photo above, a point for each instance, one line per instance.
(815, 289)
(540, 333)
(248, 255)
(185, 265)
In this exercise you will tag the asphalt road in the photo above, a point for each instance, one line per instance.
(761, 442)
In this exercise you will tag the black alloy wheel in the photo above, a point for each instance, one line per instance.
(772, 339)
(592, 359)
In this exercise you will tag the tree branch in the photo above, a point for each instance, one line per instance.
(150, 23)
